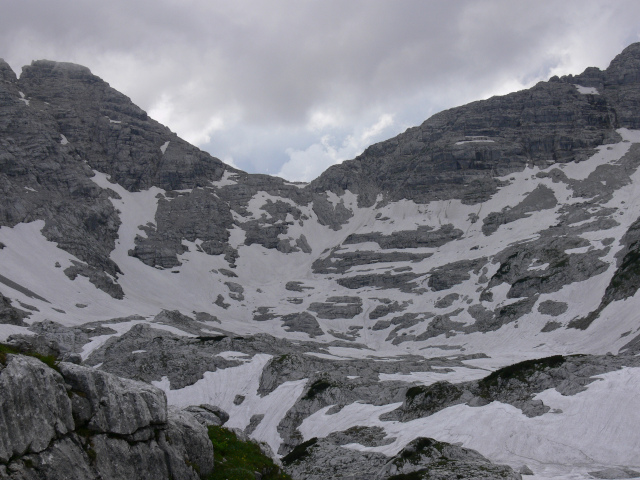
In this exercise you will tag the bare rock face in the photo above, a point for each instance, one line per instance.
(423, 458)
(443, 159)
(10, 314)
(34, 407)
(97, 120)
(82, 423)
(119, 406)
(338, 307)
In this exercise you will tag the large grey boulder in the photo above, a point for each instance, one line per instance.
(118, 405)
(81, 423)
(34, 407)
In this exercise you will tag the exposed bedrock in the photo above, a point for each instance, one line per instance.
(80, 423)
(542, 198)
(199, 215)
(339, 262)
(337, 307)
(9, 313)
(423, 236)
(423, 458)
(457, 153)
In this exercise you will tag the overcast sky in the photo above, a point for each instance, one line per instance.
(290, 87)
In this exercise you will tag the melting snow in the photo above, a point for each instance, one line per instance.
(221, 387)
(22, 99)
(587, 90)
(228, 178)
(457, 374)
(63, 140)
(594, 428)
(163, 147)
(475, 139)
(231, 355)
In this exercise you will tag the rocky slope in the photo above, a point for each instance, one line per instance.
(77, 422)
(366, 309)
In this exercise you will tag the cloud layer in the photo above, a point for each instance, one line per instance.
(291, 87)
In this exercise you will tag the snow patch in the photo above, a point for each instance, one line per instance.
(221, 388)
(594, 428)
(7, 330)
(454, 375)
(231, 355)
(22, 99)
(63, 140)
(228, 178)
(475, 139)
(163, 147)
(174, 330)
(586, 90)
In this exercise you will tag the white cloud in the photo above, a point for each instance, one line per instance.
(228, 159)
(194, 130)
(305, 165)
(323, 119)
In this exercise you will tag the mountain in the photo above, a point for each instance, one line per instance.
(473, 280)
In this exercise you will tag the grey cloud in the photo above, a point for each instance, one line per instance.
(261, 69)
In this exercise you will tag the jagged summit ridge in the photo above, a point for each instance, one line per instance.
(551, 122)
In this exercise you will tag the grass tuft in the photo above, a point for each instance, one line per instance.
(50, 360)
(238, 460)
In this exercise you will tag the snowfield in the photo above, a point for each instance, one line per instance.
(594, 429)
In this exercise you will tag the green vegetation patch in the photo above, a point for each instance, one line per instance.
(238, 460)
(5, 350)
(521, 371)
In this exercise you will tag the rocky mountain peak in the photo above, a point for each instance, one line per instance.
(48, 80)
(6, 73)
(57, 69)
(625, 67)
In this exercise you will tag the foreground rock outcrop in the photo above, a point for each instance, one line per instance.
(77, 422)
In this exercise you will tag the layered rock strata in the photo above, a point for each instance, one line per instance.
(77, 422)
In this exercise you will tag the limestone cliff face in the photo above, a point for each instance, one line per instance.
(76, 123)
(84, 424)
(459, 152)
